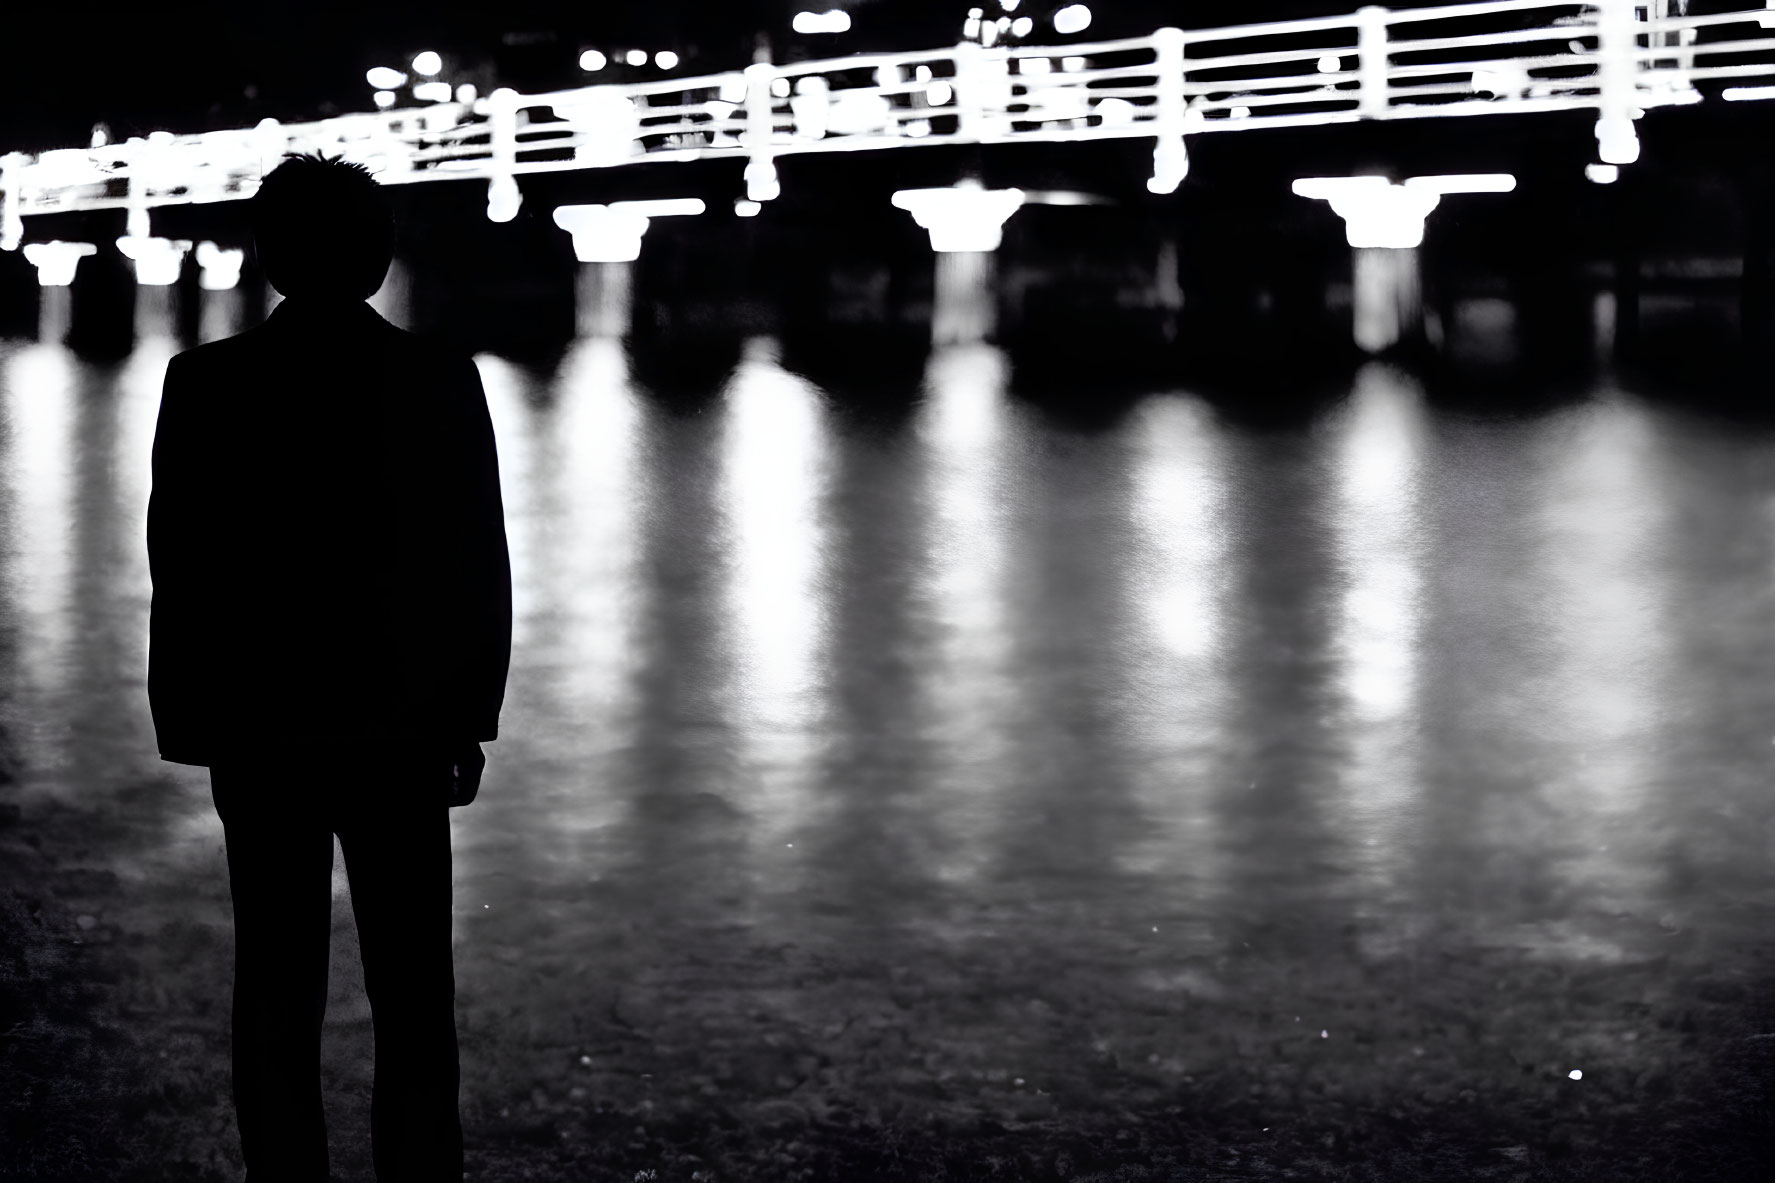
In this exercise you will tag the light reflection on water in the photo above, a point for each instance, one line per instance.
(1501, 678)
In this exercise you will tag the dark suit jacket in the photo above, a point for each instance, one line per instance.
(326, 540)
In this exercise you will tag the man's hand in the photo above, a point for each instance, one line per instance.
(465, 774)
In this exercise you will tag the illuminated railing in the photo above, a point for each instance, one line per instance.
(1481, 58)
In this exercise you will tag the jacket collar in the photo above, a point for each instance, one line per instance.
(312, 310)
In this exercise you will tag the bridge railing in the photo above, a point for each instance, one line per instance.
(1484, 57)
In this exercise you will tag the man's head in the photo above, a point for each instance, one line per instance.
(323, 228)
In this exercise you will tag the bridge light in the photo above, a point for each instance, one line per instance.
(220, 267)
(761, 181)
(384, 99)
(157, 260)
(592, 61)
(1022, 27)
(1074, 18)
(1115, 112)
(56, 261)
(503, 199)
(384, 78)
(1616, 141)
(1739, 94)
(428, 63)
(1329, 63)
(1379, 213)
(1008, 5)
(746, 209)
(1603, 174)
(635, 57)
(432, 92)
(779, 88)
(963, 218)
(665, 59)
(938, 94)
(834, 21)
(465, 93)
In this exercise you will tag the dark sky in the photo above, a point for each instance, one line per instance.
(190, 66)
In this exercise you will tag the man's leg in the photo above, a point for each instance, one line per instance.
(397, 854)
(280, 871)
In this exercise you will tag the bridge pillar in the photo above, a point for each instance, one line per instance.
(1756, 293)
(20, 295)
(966, 225)
(1384, 225)
(603, 298)
(1386, 297)
(102, 304)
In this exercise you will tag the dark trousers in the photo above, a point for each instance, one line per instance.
(391, 813)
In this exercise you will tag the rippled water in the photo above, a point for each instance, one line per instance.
(963, 689)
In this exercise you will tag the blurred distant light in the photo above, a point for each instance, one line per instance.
(465, 93)
(592, 60)
(1002, 24)
(661, 207)
(1616, 141)
(834, 21)
(1074, 18)
(1072, 63)
(922, 74)
(157, 259)
(732, 89)
(970, 28)
(665, 59)
(1115, 112)
(220, 268)
(1022, 27)
(918, 129)
(717, 110)
(963, 218)
(1171, 165)
(427, 63)
(1603, 174)
(1239, 113)
(1329, 63)
(503, 199)
(1008, 5)
(99, 138)
(938, 94)
(779, 87)
(57, 261)
(1037, 66)
(432, 92)
(384, 78)
(635, 57)
(1739, 94)
(762, 183)
(745, 208)
(384, 98)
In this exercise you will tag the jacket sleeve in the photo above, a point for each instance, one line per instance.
(179, 657)
(486, 627)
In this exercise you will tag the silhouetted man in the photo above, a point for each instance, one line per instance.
(330, 633)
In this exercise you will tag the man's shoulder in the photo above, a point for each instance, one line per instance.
(226, 352)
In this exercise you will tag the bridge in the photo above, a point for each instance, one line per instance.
(1617, 58)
